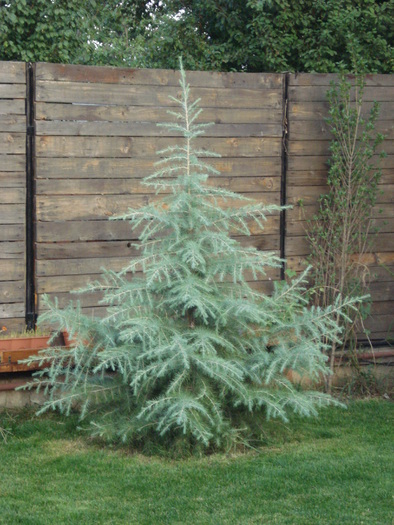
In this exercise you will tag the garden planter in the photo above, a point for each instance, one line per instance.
(14, 349)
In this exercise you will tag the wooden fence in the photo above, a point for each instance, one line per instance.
(95, 137)
(12, 193)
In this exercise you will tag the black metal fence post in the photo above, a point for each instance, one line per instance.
(283, 186)
(30, 311)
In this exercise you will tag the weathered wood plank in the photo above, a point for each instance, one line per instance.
(65, 283)
(12, 91)
(92, 299)
(322, 147)
(9, 179)
(310, 194)
(319, 93)
(12, 214)
(124, 248)
(12, 162)
(140, 147)
(12, 292)
(97, 93)
(320, 163)
(12, 72)
(319, 178)
(13, 123)
(12, 143)
(299, 245)
(130, 168)
(120, 256)
(12, 195)
(12, 269)
(130, 187)
(10, 310)
(320, 129)
(104, 230)
(59, 208)
(299, 263)
(319, 110)
(383, 307)
(302, 213)
(14, 324)
(12, 107)
(151, 114)
(12, 250)
(325, 79)
(142, 129)
(12, 232)
(265, 287)
(382, 291)
(159, 77)
(380, 323)
(295, 227)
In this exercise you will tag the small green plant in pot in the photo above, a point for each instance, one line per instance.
(189, 350)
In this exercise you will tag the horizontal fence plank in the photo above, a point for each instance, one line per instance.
(92, 299)
(319, 93)
(12, 195)
(11, 310)
(12, 250)
(322, 147)
(159, 77)
(12, 163)
(97, 93)
(14, 324)
(95, 265)
(66, 283)
(12, 143)
(135, 186)
(299, 263)
(312, 162)
(12, 72)
(13, 123)
(142, 129)
(383, 307)
(320, 129)
(310, 194)
(380, 323)
(12, 292)
(12, 107)
(12, 269)
(104, 230)
(325, 79)
(10, 179)
(12, 91)
(319, 178)
(302, 213)
(107, 249)
(129, 168)
(139, 147)
(299, 245)
(55, 208)
(319, 110)
(12, 214)
(296, 227)
(106, 113)
(12, 232)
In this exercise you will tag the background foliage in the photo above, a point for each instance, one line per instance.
(225, 35)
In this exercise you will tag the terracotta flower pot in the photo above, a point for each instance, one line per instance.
(14, 349)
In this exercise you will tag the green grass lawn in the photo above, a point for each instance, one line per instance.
(333, 470)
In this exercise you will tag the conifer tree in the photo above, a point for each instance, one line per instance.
(188, 348)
